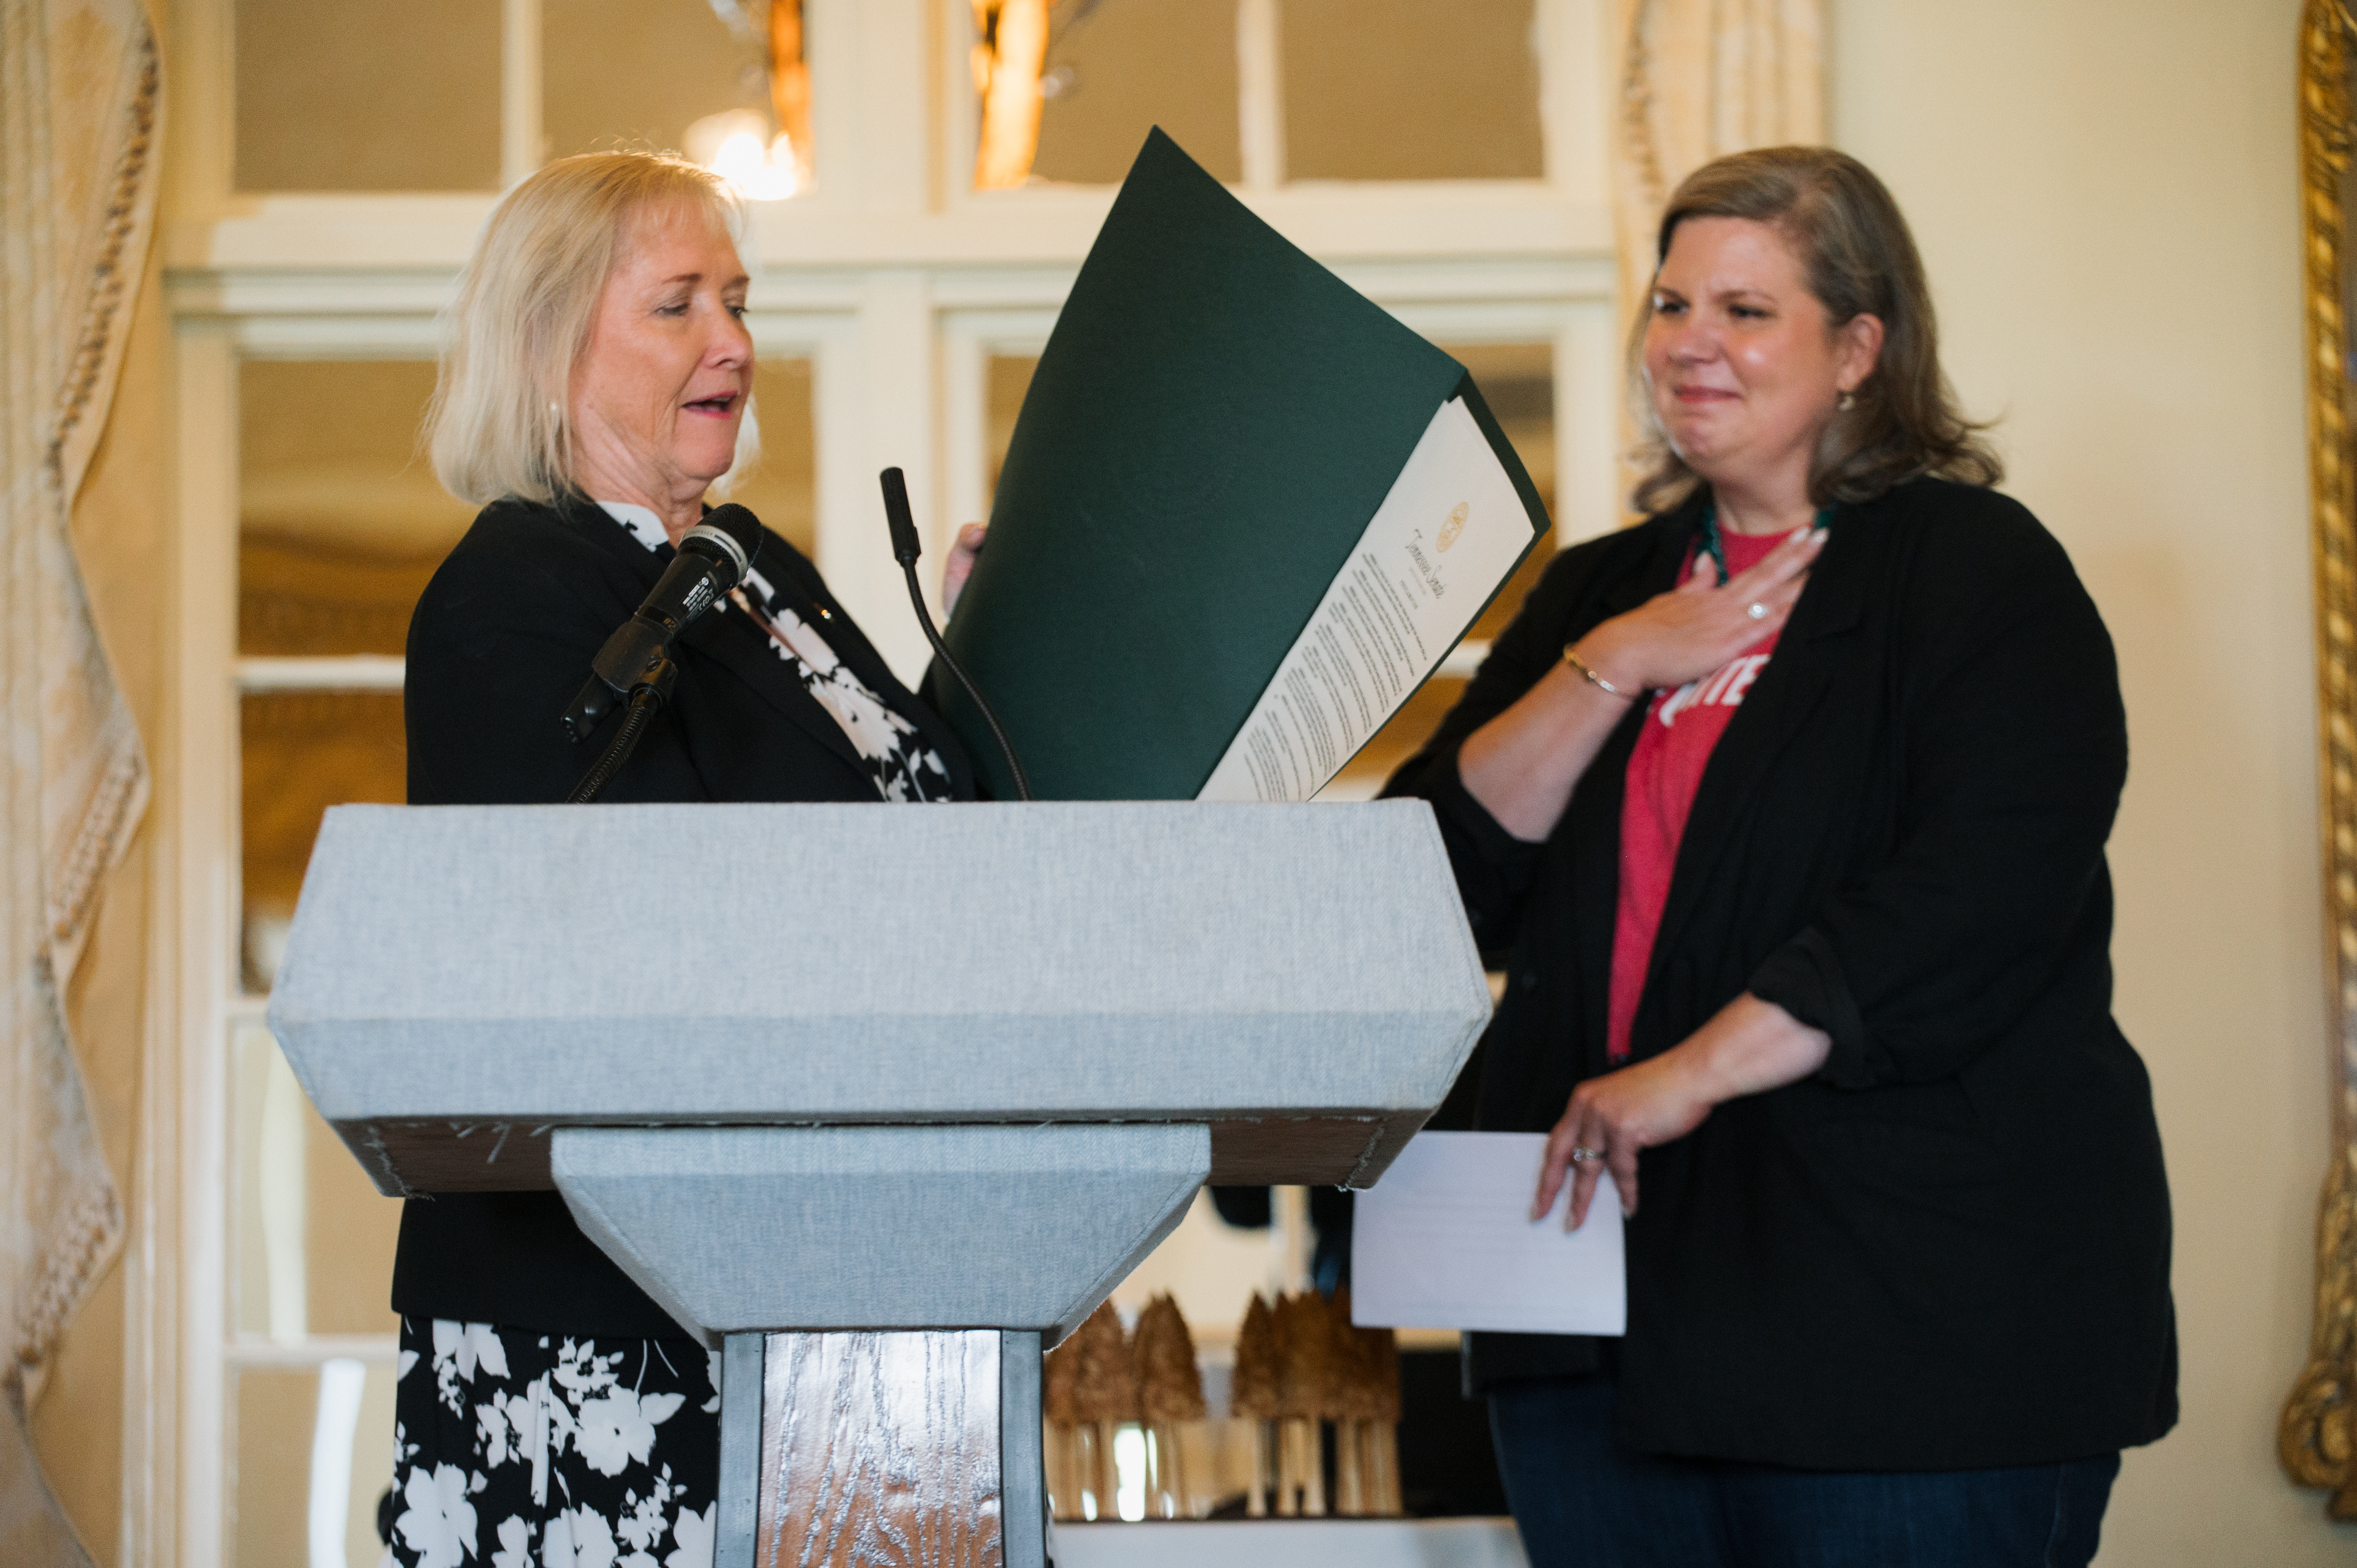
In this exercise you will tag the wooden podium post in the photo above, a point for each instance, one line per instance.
(893, 1448)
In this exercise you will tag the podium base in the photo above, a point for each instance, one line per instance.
(840, 1450)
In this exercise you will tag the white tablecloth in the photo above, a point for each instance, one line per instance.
(1292, 1543)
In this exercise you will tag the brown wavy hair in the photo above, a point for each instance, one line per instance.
(1859, 258)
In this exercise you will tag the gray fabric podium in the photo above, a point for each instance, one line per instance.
(877, 1103)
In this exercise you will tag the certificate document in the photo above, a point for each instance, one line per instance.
(1445, 1240)
(1244, 512)
(1449, 533)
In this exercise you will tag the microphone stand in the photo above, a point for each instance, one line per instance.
(648, 694)
(905, 550)
(651, 687)
(635, 664)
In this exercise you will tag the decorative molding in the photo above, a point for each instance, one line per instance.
(77, 199)
(1052, 226)
(247, 1350)
(2315, 1438)
(116, 801)
(113, 274)
(314, 312)
(1260, 94)
(1695, 80)
(1641, 156)
(352, 672)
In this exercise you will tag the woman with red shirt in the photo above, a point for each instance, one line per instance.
(1786, 808)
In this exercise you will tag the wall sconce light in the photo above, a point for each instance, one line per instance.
(1010, 50)
(765, 158)
(737, 146)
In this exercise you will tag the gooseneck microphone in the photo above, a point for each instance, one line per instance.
(905, 550)
(635, 664)
(712, 559)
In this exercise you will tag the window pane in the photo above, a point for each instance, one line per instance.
(1400, 738)
(278, 1412)
(340, 520)
(1410, 90)
(783, 488)
(305, 751)
(1517, 380)
(276, 1409)
(312, 1237)
(368, 95)
(350, 1232)
(1009, 378)
(1116, 69)
(264, 1195)
(638, 72)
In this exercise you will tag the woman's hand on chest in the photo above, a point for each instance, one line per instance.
(1524, 765)
(1697, 627)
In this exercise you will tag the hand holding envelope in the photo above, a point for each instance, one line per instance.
(1445, 1240)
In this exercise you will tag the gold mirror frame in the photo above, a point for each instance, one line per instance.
(2318, 1432)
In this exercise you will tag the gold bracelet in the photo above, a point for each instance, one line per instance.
(1593, 679)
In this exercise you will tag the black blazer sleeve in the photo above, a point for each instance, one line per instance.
(2014, 755)
(499, 646)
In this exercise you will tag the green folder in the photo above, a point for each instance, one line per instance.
(1213, 429)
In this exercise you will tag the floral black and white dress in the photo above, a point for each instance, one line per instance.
(579, 1453)
(895, 755)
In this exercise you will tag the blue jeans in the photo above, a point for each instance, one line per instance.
(1582, 1500)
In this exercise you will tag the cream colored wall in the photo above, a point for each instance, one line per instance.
(2106, 196)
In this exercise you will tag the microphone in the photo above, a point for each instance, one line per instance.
(905, 550)
(713, 558)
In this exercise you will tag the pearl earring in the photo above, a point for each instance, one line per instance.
(1849, 401)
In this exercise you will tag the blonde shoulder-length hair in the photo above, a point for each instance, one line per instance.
(501, 422)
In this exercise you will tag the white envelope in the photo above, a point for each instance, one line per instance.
(1445, 1240)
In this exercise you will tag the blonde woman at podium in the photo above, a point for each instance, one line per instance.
(1789, 806)
(595, 384)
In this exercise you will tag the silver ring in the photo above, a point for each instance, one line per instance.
(1577, 1155)
(1757, 611)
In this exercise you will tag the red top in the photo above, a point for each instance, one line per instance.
(1665, 771)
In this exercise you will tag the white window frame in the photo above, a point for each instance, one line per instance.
(899, 282)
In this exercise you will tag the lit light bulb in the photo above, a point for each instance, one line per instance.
(734, 147)
(739, 156)
(783, 176)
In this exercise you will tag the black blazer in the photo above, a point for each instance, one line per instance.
(501, 641)
(1949, 1248)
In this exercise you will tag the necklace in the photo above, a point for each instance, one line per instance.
(1715, 545)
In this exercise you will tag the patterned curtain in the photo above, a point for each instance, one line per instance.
(1698, 79)
(79, 95)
